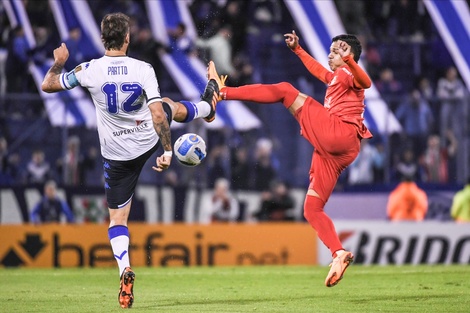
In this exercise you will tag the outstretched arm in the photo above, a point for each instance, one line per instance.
(312, 65)
(51, 82)
(162, 129)
(361, 79)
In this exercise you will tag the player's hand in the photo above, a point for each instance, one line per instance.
(343, 48)
(292, 40)
(163, 162)
(61, 54)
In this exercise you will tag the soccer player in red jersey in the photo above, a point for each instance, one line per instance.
(335, 129)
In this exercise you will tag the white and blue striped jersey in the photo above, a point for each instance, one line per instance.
(121, 88)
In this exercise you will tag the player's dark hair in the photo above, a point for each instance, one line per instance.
(114, 28)
(351, 40)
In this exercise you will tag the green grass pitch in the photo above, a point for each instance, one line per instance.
(240, 289)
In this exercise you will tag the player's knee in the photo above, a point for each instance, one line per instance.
(289, 95)
(286, 87)
(312, 206)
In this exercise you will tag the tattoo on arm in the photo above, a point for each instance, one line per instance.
(163, 130)
(56, 68)
(52, 77)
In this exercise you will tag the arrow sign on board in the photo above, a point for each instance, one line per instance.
(33, 244)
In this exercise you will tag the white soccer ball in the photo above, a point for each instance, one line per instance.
(190, 149)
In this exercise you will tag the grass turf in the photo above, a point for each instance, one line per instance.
(240, 289)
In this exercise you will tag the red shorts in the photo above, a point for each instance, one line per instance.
(336, 145)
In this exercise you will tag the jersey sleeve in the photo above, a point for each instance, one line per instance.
(151, 87)
(361, 79)
(313, 66)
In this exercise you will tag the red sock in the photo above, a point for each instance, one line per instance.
(317, 218)
(281, 92)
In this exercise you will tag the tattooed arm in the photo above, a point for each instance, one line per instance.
(162, 128)
(51, 81)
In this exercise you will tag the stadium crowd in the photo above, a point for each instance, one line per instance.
(403, 53)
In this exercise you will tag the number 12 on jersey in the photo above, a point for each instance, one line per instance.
(133, 102)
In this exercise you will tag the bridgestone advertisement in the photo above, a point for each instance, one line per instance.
(398, 243)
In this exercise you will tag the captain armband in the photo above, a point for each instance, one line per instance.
(68, 80)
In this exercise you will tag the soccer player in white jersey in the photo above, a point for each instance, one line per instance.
(133, 121)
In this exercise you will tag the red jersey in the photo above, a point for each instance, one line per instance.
(342, 98)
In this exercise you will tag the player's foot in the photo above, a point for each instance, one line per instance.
(211, 96)
(338, 267)
(212, 74)
(213, 87)
(126, 290)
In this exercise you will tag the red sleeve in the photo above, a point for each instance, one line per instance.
(312, 65)
(361, 79)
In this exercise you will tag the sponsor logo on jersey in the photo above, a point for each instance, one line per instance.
(130, 130)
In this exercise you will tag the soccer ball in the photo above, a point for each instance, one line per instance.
(190, 149)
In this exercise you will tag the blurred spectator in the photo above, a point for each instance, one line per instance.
(130, 8)
(76, 163)
(225, 207)
(352, 16)
(51, 208)
(264, 170)
(407, 202)
(460, 210)
(10, 169)
(206, 17)
(220, 50)
(16, 69)
(377, 17)
(435, 160)
(407, 166)
(264, 23)
(276, 203)
(416, 117)
(243, 72)
(361, 171)
(180, 40)
(390, 89)
(38, 170)
(451, 94)
(427, 91)
(143, 46)
(241, 169)
(75, 52)
(39, 12)
(380, 163)
(424, 86)
(70, 164)
(218, 164)
(235, 16)
(370, 56)
(404, 20)
(45, 44)
(172, 180)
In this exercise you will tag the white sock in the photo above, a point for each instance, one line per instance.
(120, 245)
(339, 252)
(202, 109)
